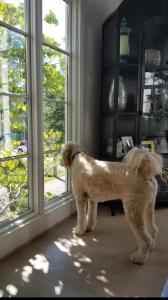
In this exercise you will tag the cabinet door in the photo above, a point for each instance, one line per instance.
(109, 49)
(129, 41)
(156, 44)
(155, 85)
(107, 143)
(108, 90)
(154, 121)
(128, 88)
(128, 65)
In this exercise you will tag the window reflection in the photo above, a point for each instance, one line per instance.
(12, 62)
(155, 97)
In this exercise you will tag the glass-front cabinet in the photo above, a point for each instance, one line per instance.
(135, 81)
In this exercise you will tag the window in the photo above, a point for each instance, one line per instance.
(35, 85)
(56, 65)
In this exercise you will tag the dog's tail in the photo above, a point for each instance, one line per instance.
(144, 162)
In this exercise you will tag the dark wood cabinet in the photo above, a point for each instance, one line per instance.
(135, 81)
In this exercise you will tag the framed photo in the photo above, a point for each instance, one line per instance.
(149, 145)
(127, 143)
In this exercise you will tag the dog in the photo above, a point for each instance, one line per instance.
(132, 180)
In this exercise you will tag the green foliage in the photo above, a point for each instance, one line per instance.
(51, 18)
(13, 173)
(14, 181)
(12, 14)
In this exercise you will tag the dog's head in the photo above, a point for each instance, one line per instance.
(144, 162)
(69, 152)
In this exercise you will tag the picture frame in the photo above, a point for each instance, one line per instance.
(148, 144)
(127, 143)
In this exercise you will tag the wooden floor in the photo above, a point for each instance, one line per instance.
(97, 265)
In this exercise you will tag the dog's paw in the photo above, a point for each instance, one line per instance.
(79, 231)
(90, 228)
(137, 258)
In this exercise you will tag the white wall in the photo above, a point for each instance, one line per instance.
(94, 12)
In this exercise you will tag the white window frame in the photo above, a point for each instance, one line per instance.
(25, 228)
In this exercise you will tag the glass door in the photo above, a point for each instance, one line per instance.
(154, 122)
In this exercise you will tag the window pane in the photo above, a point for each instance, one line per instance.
(55, 23)
(12, 13)
(12, 62)
(13, 188)
(54, 74)
(54, 125)
(54, 176)
(13, 126)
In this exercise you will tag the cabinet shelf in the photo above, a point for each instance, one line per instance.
(156, 69)
(128, 65)
(155, 114)
(125, 113)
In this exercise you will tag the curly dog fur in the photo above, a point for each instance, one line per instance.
(132, 180)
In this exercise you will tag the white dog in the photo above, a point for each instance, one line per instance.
(132, 180)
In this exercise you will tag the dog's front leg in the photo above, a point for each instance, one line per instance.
(81, 203)
(92, 215)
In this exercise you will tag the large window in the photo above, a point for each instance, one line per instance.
(35, 60)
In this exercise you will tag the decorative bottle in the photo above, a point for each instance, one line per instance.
(124, 41)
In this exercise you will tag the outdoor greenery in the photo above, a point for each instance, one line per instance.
(14, 172)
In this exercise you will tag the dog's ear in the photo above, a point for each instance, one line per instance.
(67, 158)
(69, 152)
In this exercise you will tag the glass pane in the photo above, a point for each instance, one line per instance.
(53, 124)
(155, 128)
(110, 42)
(12, 62)
(13, 126)
(163, 183)
(155, 96)
(156, 45)
(54, 74)
(54, 176)
(108, 91)
(12, 13)
(127, 126)
(127, 89)
(13, 188)
(129, 42)
(55, 23)
(107, 135)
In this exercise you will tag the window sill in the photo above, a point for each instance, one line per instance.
(22, 231)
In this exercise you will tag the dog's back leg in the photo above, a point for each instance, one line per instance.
(81, 204)
(135, 214)
(92, 215)
(150, 220)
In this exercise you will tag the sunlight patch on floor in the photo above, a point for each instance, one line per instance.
(11, 289)
(40, 263)
(58, 289)
(27, 271)
(65, 245)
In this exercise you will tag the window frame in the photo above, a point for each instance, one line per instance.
(41, 218)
